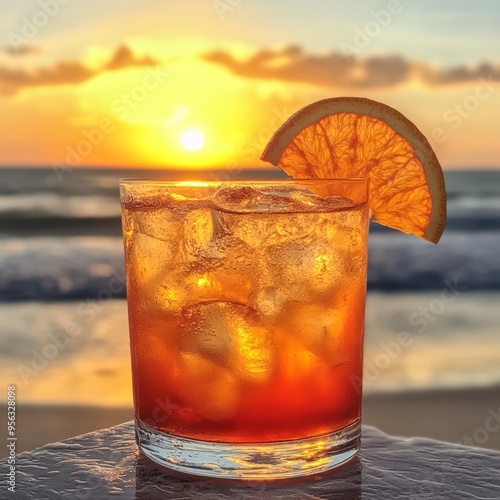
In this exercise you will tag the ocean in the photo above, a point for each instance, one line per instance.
(60, 245)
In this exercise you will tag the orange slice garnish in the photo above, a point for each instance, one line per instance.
(350, 137)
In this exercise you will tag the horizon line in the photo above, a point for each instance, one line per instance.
(205, 169)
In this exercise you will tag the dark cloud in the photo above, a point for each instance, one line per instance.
(289, 64)
(24, 50)
(460, 74)
(71, 72)
(124, 58)
(336, 70)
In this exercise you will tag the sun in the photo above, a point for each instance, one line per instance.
(192, 140)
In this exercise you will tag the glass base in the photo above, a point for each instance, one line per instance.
(252, 461)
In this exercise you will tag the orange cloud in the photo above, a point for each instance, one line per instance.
(335, 70)
(70, 72)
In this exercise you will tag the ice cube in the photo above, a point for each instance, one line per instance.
(234, 275)
(349, 237)
(254, 354)
(269, 302)
(204, 330)
(248, 199)
(225, 274)
(260, 230)
(319, 329)
(254, 230)
(296, 360)
(198, 232)
(237, 199)
(305, 268)
(205, 239)
(180, 286)
(228, 278)
(208, 264)
(161, 221)
(309, 200)
(303, 225)
(236, 206)
(208, 389)
(230, 335)
(152, 242)
(213, 260)
(149, 259)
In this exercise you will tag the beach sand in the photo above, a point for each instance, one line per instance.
(465, 416)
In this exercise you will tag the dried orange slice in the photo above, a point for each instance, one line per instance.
(349, 137)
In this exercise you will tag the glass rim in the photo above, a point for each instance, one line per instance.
(213, 182)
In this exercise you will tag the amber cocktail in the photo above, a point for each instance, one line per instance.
(246, 308)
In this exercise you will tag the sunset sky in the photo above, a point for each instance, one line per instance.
(203, 83)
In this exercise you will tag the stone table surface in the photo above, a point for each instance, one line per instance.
(106, 464)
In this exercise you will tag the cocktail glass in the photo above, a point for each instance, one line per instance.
(246, 308)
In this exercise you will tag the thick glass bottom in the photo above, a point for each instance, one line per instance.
(252, 461)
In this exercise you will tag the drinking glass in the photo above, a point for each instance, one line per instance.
(246, 305)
